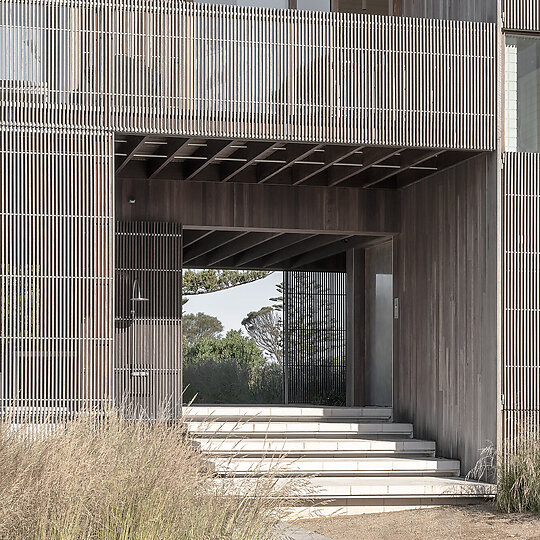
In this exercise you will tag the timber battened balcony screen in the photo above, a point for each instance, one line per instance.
(224, 71)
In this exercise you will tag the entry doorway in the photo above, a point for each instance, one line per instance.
(279, 339)
(379, 325)
(150, 259)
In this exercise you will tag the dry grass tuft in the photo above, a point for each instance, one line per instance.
(518, 486)
(125, 481)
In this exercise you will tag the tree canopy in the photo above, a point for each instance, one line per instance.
(234, 346)
(265, 328)
(209, 281)
(197, 326)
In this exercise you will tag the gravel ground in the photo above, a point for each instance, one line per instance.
(480, 522)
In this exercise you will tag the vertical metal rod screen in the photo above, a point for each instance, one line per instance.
(315, 320)
(148, 317)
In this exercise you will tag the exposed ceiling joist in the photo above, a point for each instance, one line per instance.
(172, 149)
(189, 236)
(278, 162)
(255, 151)
(332, 155)
(132, 146)
(351, 242)
(213, 150)
(209, 243)
(215, 258)
(370, 157)
(434, 165)
(407, 160)
(280, 241)
(290, 155)
(314, 243)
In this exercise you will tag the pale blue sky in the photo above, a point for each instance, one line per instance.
(232, 305)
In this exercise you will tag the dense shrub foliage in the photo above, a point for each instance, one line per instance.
(230, 369)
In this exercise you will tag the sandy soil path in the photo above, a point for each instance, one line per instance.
(481, 522)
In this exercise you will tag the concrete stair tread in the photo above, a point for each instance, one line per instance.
(222, 428)
(346, 461)
(398, 486)
(337, 465)
(325, 487)
(285, 412)
(309, 446)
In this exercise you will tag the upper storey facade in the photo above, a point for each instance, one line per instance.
(521, 15)
(234, 71)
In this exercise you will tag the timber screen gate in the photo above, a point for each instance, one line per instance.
(315, 335)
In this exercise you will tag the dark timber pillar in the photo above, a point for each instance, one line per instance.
(356, 327)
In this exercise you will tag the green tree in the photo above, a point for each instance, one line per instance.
(197, 326)
(234, 346)
(228, 369)
(209, 281)
(266, 329)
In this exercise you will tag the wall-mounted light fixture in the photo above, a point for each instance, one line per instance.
(132, 200)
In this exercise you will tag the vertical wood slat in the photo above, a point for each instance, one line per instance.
(228, 71)
(521, 298)
(226, 97)
(148, 342)
(56, 272)
(521, 15)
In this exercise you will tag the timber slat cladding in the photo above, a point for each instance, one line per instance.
(148, 319)
(56, 269)
(521, 298)
(521, 15)
(445, 371)
(181, 68)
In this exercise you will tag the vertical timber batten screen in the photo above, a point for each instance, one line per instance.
(521, 299)
(240, 72)
(521, 15)
(315, 320)
(148, 319)
(56, 269)
(74, 72)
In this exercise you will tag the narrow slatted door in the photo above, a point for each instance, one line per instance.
(148, 319)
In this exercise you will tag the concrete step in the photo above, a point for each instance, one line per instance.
(253, 447)
(335, 496)
(352, 496)
(348, 461)
(349, 466)
(334, 430)
(235, 413)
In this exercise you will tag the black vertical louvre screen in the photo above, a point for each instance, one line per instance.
(148, 319)
(315, 328)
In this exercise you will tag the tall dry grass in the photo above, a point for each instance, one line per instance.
(518, 486)
(125, 481)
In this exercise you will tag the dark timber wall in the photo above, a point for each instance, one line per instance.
(463, 10)
(259, 207)
(445, 367)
